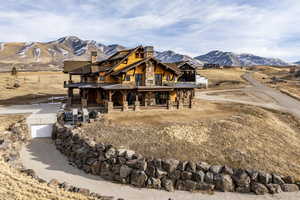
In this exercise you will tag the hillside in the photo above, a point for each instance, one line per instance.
(50, 55)
(232, 59)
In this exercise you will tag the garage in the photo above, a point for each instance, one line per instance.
(41, 131)
(40, 125)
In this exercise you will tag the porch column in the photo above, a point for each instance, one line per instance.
(192, 100)
(136, 102)
(84, 98)
(125, 102)
(110, 104)
(179, 99)
(169, 102)
(70, 96)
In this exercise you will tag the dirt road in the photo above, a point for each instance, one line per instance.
(49, 163)
(257, 94)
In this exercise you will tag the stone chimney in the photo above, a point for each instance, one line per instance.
(94, 56)
(149, 51)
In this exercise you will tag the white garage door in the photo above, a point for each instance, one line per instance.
(40, 131)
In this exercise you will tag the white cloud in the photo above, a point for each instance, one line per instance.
(193, 27)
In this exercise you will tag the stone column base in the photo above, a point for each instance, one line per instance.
(136, 106)
(84, 103)
(179, 105)
(109, 106)
(125, 106)
(170, 105)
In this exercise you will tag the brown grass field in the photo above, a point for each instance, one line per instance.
(17, 186)
(224, 78)
(290, 87)
(34, 86)
(227, 134)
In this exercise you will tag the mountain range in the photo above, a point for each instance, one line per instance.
(50, 55)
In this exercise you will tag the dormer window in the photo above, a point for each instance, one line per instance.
(139, 55)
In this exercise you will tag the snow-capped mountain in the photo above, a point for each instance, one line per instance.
(297, 63)
(171, 57)
(232, 59)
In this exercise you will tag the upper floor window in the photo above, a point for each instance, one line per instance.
(168, 78)
(139, 55)
(127, 78)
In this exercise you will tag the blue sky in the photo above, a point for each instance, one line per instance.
(268, 28)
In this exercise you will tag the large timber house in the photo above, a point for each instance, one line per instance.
(130, 79)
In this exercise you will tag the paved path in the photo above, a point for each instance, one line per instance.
(49, 163)
(280, 101)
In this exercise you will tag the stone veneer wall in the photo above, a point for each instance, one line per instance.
(127, 167)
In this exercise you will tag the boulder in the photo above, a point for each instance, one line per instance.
(289, 188)
(215, 169)
(264, 178)
(227, 170)
(125, 171)
(53, 183)
(190, 185)
(274, 188)
(175, 175)
(209, 177)
(242, 180)
(170, 165)
(223, 182)
(111, 152)
(253, 175)
(199, 176)
(168, 184)
(154, 183)
(259, 188)
(191, 167)
(277, 179)
(95, 168)
(203, 166)
(138, 178)
(160, 173)
(84, 191)
(288, 179)
(151, 171)
(186, 175)
(205, 187)
(182, 165)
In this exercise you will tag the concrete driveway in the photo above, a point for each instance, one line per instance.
(49, 163)
(279, 101)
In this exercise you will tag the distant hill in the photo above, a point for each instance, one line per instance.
(50, 55)
(232, 59)
(297, 63)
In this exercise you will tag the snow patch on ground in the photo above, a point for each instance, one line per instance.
(25, 48)
(37, 54)
(63, 51)
(2, 44)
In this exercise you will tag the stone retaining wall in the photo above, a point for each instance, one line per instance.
(127, 167)
(11, 142)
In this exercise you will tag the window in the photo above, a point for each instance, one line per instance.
(137, 55)
(158, 79)
(168, 78)
(101, 78)
(139, 79)
(125, 61)
(127, 78)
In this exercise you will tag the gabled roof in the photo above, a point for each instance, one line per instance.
(180, 64)
(133, 65)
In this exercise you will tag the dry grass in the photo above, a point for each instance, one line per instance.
(224, 78)
(34, 86)
(290, 87)
(16, 186)
(234, 135)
